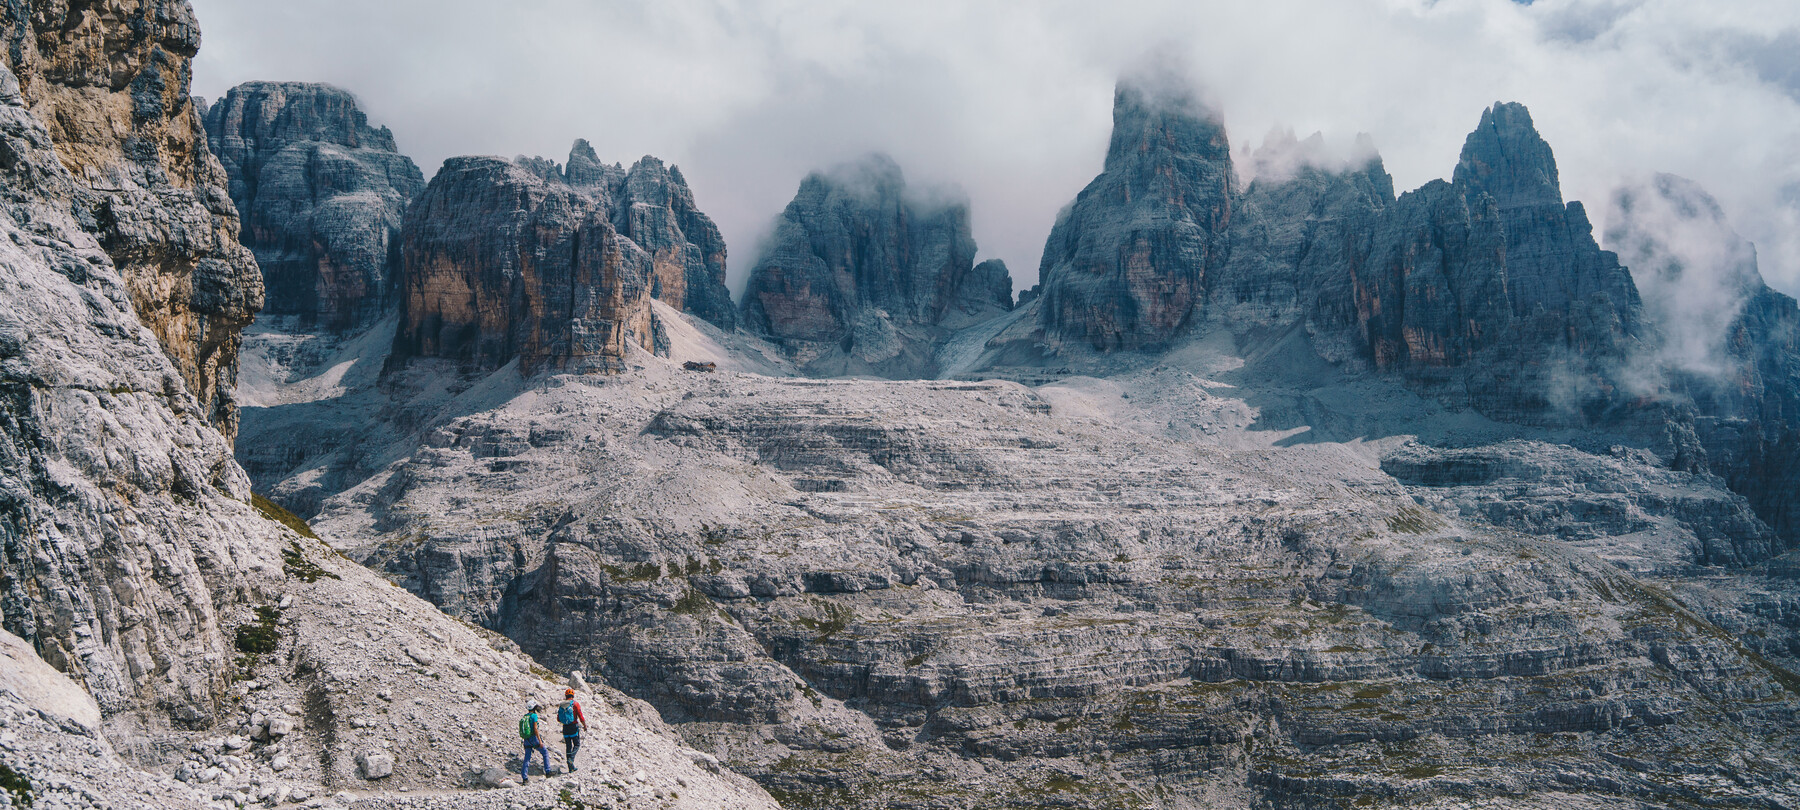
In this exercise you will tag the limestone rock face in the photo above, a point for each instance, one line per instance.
(321, 194)
(110, 80)
(990, 589)
(863, 276)
(652, 206)
(1127, 262)
(525, 259)
(126, 533)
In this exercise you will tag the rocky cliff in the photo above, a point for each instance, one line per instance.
(179, 642)
(110, 81)
(127, 534)
(321, 194)
(1126, 263)
(554, 267)
(863, 276)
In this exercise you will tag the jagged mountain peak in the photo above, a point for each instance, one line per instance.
(865, 275)
(1507, 158)
(1158, 114)
(585, 168)
(297, 111)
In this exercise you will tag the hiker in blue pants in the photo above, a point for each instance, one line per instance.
(528, 733)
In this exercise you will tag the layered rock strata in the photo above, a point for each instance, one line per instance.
(967, 594)
(321, 194)
(863, 276)
(110, 82)
(554, 267)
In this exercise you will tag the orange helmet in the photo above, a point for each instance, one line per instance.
(568, 693)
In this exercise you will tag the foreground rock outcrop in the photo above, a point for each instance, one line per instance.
(553, 266)
(321, 194)
(863, 276)
(110, 81)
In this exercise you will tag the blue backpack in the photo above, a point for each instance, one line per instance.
(565, 714)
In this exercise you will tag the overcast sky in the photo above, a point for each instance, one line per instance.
(1011, 100)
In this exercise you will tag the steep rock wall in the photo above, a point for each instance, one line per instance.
(555, 267)
(110, 81)
(1126, 264)
(321, 194)
(125, 529)
(863, 276)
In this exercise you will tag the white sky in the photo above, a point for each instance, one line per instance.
(1012, 100)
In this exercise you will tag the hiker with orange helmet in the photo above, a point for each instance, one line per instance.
(573, 723)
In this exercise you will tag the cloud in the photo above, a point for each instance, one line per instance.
(1010, 99)
(1694, 273)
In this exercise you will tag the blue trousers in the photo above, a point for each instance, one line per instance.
(533, 744)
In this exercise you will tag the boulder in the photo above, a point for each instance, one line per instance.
(375, 765)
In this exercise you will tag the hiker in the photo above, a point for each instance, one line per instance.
(528, 733)
(573, 723)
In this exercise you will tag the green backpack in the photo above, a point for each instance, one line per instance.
(527, 724)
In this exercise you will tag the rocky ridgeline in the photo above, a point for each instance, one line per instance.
(550, 266)
(321, 194)
(1487, 292)
(864, 276)
(110, 82)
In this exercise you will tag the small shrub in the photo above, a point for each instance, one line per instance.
(693, 603)
(260, 637)
(295, 564)
(15, 783)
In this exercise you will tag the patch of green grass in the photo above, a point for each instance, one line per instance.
(1373, 691)
(1421, 771)
(567, 799)
(915, 660)
(273, 511)
(1413, 520)
(260, 637)
(1063, 783)
(837, 618)
(295, 564)
(15, 783)
(693, 603)
(642, 572)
